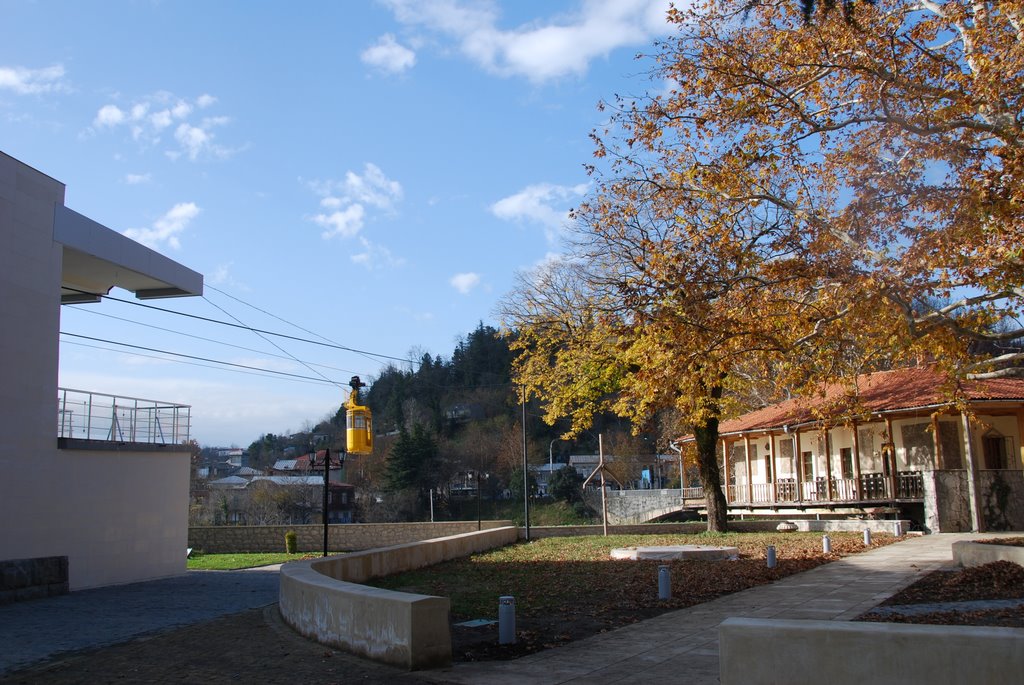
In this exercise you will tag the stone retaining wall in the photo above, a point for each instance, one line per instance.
(348, 537)
(24, 579)
(322, 599)
(761, 651)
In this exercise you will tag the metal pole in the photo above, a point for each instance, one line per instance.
(604, 503)
(327, 468)
(526, 471)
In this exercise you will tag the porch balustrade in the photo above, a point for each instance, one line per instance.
(871, 487)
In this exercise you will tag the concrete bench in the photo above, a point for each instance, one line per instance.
(967, 553)
(789, 652)
(323, 600)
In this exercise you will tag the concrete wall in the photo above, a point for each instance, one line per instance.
(322, 600)
(967, 553)
(117, 516)
(784, 652)
(347, 537)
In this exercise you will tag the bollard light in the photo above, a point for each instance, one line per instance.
(772, 561)
(826, 544)
(664, 582)
(867, 537)
(506, 620)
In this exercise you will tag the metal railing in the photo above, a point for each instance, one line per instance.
(85, 415)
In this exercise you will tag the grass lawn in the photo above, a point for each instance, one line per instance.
(232, 562)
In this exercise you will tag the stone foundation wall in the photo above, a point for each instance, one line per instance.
(343, 537)
(1002, 499)
(24, 579)
(946, 502)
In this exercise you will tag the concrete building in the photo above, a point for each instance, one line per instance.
(100, 483)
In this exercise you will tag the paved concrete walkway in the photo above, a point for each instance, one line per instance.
(682, 646)
(89, 619)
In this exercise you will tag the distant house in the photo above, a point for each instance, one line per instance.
(301, 466)
(108, 487)
(900, 447)
(303, 502)
(229, 483)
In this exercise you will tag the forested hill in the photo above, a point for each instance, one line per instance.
(474, 383)
(437, 393)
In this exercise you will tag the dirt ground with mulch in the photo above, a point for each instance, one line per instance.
(995, 581)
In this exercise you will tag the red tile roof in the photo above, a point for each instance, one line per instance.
(879, 392)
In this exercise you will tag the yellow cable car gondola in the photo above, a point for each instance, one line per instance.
(358, 422)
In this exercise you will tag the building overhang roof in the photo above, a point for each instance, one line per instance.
(97, 259)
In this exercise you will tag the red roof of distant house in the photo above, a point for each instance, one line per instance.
(880, 392)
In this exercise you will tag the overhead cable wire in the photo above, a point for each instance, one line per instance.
(203, 359)
(275, 316)
(199, 337)
(248, 328)
(268, 340)
(261, 373)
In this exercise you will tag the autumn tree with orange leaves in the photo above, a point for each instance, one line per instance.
(796, 200)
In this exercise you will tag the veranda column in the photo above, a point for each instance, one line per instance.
(746, 458)
(799, 470)
(894, 468)
(828, 464)
(856, 462)
(725, 461)
(1020, 436)
(939, 461)
(773, 474)
(977, 522)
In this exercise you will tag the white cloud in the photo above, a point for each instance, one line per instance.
(373, 187)
(147, 118)
(542, 203)
(347, 202)
(375, 256)
(387, 55)
(137, 179)
(465, 282)
(539, 50)
(23, 81)
(193, 139)
(167, 228)
(109, 115)
(345, 222)
(221, 275)
(161, 120)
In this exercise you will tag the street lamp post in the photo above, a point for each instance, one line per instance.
(327, 472)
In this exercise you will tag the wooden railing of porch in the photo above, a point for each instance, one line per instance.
(870, 487)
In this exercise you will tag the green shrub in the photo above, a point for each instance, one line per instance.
(291, 542)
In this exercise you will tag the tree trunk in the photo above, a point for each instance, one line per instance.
(706, 439)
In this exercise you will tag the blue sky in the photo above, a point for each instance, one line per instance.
(372, 172)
